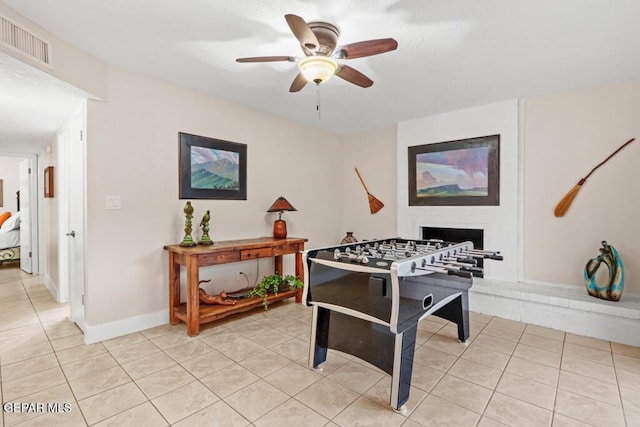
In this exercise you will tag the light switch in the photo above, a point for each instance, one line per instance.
(113, 202)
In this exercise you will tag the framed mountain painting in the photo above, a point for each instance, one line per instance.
(212, 168)
(465, 172)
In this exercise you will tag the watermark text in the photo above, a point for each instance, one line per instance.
(36, 407)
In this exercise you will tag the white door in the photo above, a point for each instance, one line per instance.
(72, 215)
(26, 249)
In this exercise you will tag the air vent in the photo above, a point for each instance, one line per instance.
(20, 39)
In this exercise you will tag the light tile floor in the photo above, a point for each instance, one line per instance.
(251, 371)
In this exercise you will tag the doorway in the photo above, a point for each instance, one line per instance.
(28, 212)
(19, 175)
(35, 107)
(71, 209)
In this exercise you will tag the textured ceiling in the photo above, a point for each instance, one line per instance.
(33, 106)
(451, 54)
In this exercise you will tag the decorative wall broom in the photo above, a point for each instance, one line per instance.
(564, 204)
(374, 204)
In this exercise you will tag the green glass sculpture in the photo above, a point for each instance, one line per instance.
(188, 240)
(612, 290)
(205, 240)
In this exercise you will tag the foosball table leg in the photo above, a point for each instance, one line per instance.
(457, 311)
(319, 337)
(405, 344)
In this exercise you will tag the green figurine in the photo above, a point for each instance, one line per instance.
(205, 240)
(188, 240)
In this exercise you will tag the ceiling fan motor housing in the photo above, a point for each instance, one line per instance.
(327, 35)
(318, 40)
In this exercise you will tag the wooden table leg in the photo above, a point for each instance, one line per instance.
(174, 288)
(278, 265)
(299, 273)
(193, 299)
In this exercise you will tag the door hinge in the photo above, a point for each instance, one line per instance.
(82, 299)
(81, 136)
(29, 254)
(29, 171)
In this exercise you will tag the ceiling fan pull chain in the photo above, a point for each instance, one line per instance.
(318, 100)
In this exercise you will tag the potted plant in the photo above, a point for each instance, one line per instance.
(273, 284)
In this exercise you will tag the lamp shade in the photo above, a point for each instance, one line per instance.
(281, 204)
(280, 226)
(317, 69)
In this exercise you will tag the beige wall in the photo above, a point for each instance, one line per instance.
(132, 151)
(9, 173)
(374, 154)
(566, 135)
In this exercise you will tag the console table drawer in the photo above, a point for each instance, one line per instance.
(285, 249)
(219, 258)
(256, 253)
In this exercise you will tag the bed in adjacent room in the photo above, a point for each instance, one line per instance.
(10, 239)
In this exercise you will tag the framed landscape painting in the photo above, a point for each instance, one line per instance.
(212, 168)
(465, 172)
(48, 182)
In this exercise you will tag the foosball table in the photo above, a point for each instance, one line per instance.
(368, 298)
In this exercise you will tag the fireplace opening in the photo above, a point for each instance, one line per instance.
(457, 235)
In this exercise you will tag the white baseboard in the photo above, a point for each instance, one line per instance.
(106, 331)
(53, 289)
(566, 308)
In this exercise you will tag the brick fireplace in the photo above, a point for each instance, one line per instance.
(503, 292)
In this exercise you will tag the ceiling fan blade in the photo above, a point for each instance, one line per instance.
(302, 32)
(267, 59)
(365, 48)
(353, 76)
(298, 83)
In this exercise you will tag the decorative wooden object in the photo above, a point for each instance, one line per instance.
(374, 204)
(221, 298)
(566, 201)
(192, 258)
(48, 182)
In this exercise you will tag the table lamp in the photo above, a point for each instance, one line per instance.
(279, 226)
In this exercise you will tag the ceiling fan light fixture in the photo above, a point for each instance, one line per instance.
(317, 69)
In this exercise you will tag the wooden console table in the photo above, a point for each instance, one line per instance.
(221, 253)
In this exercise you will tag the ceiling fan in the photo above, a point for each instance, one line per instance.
(318, 41)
